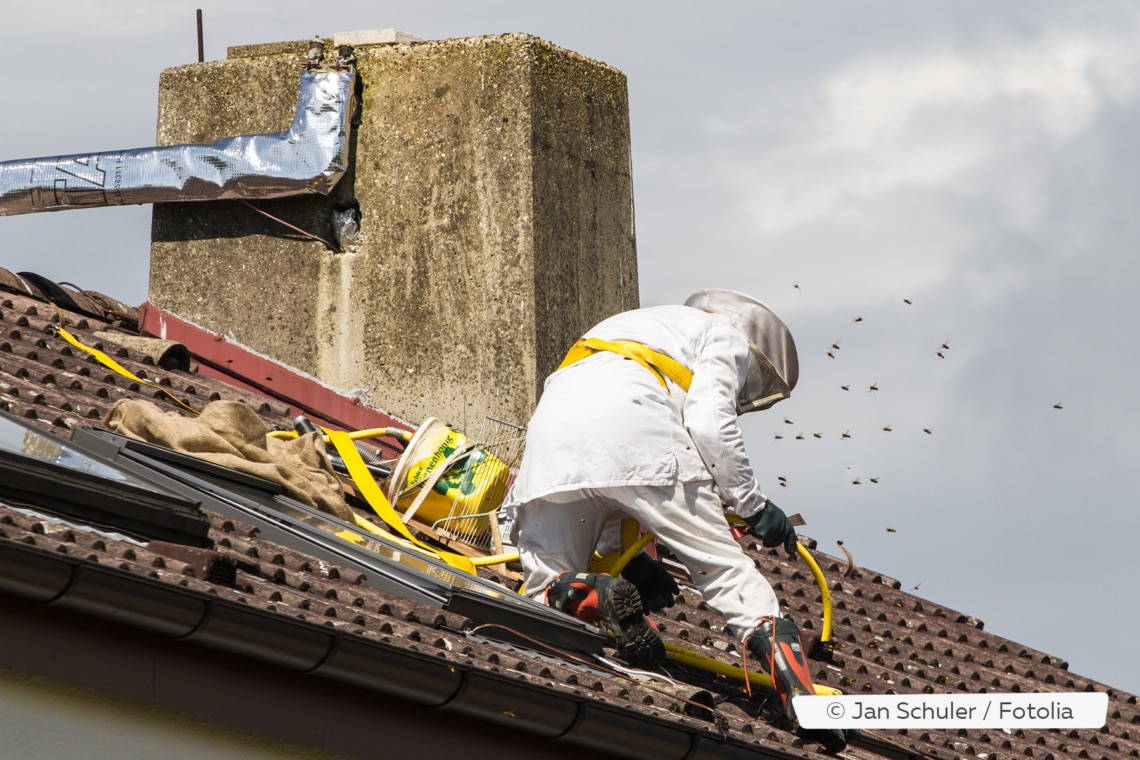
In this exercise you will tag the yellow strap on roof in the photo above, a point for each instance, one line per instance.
(661, 365)
(379, 503)
(111, 364)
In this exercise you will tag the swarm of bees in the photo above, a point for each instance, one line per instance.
(941, 350)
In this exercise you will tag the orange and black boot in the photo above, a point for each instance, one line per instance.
(615, 604)
(776, 644)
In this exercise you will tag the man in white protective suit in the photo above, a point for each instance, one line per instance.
(640, 420)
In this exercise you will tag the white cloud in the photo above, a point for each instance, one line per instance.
(929, 120)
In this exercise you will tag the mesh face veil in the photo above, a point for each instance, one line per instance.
(773, 367)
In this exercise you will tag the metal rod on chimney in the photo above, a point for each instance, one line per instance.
(201, 50)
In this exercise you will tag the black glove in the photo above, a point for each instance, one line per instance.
(772, 527)
(654, 583)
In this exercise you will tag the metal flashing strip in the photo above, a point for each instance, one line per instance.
(220, 358)
(309, 157)
(385, 564)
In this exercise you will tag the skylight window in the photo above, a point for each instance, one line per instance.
(42, 471)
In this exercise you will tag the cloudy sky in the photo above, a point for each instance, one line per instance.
(942, 190)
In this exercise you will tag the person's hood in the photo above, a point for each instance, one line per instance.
(774, 367)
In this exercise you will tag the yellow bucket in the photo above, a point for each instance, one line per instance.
(472, 484)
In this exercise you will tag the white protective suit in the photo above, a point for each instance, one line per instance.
(608, 440)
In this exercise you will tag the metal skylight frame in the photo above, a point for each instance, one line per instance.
(47, 472)
(385, 564)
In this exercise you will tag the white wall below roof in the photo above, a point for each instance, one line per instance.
(43, 717)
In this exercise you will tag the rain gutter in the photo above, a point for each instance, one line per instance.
(186, 615)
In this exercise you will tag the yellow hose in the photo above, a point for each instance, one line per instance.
(614, 566)
(356, 435)
(824, 593)
(689, 657)
(494, 559)
(680, 654)
(693, 659)
(403, 435)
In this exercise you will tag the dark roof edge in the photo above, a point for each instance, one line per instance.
(426, 680)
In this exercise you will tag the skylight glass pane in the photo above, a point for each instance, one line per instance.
(16, 438)
(408, 557)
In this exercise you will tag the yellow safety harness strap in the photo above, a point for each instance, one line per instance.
(379, 503)
(661, 365)
(111, 364)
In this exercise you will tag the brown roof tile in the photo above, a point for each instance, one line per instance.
(44, 379)
(886, 640)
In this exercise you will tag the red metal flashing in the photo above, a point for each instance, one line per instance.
(231, 363)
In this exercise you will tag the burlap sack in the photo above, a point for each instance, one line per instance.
(230, 434)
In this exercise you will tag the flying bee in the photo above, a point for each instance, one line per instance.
(857, 319)
(907, 301)
(874, 387)
(835, 345)
(817, 435)
(845, 387)
(1057, 405)
(845, 435)
(887, 428)
(928, 431)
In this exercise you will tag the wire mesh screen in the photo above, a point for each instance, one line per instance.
(482, 476)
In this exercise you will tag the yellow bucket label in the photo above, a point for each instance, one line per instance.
(473, 484)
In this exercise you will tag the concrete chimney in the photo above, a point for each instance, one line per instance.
(493, 180)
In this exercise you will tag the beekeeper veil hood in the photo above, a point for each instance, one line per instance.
(773, 368)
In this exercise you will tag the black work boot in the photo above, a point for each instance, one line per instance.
(615, 604)
(776, 644)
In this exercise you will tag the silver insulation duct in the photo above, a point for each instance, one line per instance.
(308, 157)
